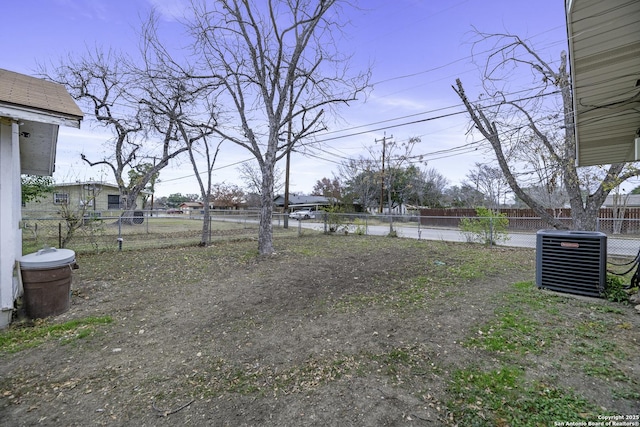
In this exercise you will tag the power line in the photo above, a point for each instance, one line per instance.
(428, 119)
(448, 151)
(214, 169)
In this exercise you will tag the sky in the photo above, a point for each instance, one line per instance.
(416, 49)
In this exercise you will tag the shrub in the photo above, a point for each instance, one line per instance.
(361, 227)
(614, 289)
(488, 227)
(335, 219)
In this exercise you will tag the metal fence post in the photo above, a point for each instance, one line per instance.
(490, 230)
(120, 233)
(325, 217)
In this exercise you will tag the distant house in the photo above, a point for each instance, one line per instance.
(93, 198)
(313, 203)
(228, 204)
(191, 207)
(31, 112)
(300, 202)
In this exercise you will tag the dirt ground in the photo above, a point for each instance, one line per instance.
(309, 336)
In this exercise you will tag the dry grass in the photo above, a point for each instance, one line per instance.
(331, 330)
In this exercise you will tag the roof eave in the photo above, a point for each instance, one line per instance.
(54, 118)
(604, 54)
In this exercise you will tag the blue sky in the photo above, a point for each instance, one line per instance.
(417, 48)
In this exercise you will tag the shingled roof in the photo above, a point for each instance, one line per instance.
(19, 91)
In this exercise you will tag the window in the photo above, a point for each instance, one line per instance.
(113, 201)
(60, 198)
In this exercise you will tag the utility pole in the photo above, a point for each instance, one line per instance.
(384, 148)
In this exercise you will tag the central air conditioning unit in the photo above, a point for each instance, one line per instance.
(571, 261)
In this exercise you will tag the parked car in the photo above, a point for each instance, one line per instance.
(302, 214)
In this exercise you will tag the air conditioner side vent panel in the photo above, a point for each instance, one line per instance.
(571, 261)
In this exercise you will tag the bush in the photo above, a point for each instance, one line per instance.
(615, 289)
(335, 220)
(488, 227)
(361, 227)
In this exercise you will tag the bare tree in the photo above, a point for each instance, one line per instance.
(181, 104)
(172, 104)
(553, 198)
(210, 156)
(280, 70)
(388, 175)
(618, 208)
(423, 187)
(141, 106)
(432, 188)
(398, 155)
(360, 178)
(489, 181)
(77, 216)
(464, 196)
(99, 80)
(510, 123)
(251, 175)
(543, 178)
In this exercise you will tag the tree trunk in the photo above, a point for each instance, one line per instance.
(489, 130)
(619, 209)
(265, 237)
(130, 205)
(205, 239)
(584, 210)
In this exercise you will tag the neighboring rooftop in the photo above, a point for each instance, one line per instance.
(301, 200)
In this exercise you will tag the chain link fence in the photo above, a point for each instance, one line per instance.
(622, 238)
(148, 229)
(145, 229)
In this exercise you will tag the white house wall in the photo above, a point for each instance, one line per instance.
(10, 234)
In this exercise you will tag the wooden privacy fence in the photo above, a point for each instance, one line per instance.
(527, 220)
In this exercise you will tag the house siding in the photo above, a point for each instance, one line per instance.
(99, 199)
